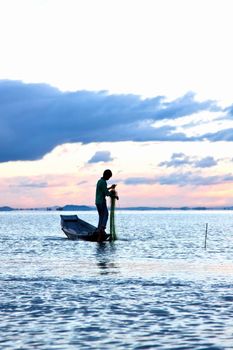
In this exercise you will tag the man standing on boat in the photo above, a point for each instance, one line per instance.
(100, 201)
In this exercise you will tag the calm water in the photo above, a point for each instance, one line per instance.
(154, 288)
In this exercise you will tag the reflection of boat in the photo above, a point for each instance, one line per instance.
(75, 228)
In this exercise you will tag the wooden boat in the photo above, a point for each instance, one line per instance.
(75, 228)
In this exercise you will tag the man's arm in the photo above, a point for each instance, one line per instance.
(112, 187)
(105, 189)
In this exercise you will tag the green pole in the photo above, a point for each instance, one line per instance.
(112, 218)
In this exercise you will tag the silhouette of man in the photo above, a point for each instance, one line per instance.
(100, 201)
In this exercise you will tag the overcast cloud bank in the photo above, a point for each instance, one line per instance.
(35, 118)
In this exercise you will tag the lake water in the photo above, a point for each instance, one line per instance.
(156, 287)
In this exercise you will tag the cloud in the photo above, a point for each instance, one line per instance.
(181, 179)
(101, 156)
(206, 162)
(81, 183)
(177, 160)
(140, 181)
(222, 135)
(35, 118)
(188, 178)
(180, 160)
(30, 184)
(34, 182)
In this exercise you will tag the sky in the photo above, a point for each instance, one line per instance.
(143, 87)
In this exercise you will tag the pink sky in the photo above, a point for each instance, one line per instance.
(66, 177)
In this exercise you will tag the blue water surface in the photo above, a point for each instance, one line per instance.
(156, 287)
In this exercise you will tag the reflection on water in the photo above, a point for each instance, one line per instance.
(105, 258)
(155, 287)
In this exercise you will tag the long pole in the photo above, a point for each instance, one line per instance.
(206, 231)
(112, 218)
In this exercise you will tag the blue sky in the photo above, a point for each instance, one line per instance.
(143, 87)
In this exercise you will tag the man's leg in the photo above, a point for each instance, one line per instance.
(100, 212)
(103, 218)
(100, 230)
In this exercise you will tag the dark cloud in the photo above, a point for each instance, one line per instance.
(177, 160)
(34, 118)
(206, 162)
(222, 135)
(181, 179)
(101, 156)
(140, 181)
(229, 110)
(180, 160)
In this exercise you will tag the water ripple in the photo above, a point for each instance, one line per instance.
(152, 289)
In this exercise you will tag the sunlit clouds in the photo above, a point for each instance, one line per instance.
(147, 174)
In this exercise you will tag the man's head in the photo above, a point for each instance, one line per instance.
(107, 174)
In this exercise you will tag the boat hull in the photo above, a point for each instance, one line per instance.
(75, 228)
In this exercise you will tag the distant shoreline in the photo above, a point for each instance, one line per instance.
(72, 207)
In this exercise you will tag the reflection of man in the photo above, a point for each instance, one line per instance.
(105, 259)
(100, 200)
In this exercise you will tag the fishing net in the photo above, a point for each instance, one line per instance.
(112, 216)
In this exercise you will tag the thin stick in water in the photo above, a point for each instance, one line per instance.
(206, 231)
